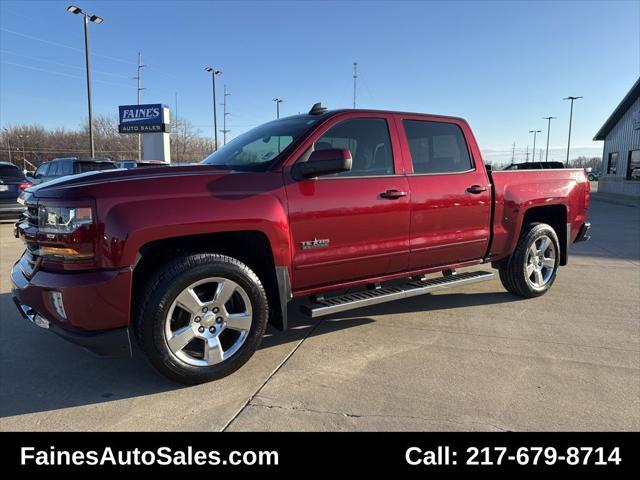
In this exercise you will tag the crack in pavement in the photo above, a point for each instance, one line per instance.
(355, 415)
(270, 376)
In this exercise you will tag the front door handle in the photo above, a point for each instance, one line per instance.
(393, 194)
(476, 189)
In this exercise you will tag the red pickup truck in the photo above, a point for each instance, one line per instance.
(193, 262)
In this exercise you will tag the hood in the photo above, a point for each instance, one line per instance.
(54, 187)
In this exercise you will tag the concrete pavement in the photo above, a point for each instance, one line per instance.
(475, 358)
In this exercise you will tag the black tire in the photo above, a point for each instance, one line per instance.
(161, 292)
(513, 273)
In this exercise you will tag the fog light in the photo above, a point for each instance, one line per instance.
(58, 304)
(40, 321)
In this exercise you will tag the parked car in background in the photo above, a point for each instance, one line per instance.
(592, 175)
(194, 261)
(12, 182)
(128, 164)
(534, 166)
(61, 167)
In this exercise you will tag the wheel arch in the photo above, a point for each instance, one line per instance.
(556, 217)
(251, 247)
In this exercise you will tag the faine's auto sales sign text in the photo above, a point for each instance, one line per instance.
(141, 118)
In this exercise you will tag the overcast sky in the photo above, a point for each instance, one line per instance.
(502, 65)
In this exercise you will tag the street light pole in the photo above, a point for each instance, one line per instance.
(278, 102)
(570, 120)
(535, 132)
(95, 19)
(546, 156)
(213, 73)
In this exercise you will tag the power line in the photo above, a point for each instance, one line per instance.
(115, 59)
(38, 69)
(67, 65)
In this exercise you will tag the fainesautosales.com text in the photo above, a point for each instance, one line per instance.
(188, 456)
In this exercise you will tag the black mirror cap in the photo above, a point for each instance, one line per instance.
(324, 162)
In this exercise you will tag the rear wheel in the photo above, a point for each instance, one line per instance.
(202, 317)
(533, 267)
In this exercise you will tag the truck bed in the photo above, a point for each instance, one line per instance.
(517, 191)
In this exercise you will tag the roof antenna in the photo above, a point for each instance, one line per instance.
(317, 109)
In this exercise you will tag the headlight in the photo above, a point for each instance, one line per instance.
(63, 219)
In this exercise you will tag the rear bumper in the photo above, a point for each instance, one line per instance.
(95, 306)
(583, 233)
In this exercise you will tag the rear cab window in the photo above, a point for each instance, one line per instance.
(437, 147)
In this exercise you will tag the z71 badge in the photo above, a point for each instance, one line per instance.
(315, 243)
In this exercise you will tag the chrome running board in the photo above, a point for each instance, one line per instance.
(326, 306)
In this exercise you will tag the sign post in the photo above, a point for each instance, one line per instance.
(153, 122)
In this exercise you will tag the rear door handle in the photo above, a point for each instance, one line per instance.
(476, 189)
(393, 194)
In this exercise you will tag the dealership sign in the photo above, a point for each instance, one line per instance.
(152, 118)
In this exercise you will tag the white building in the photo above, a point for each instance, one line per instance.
(621, 153)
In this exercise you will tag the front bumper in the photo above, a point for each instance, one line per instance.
(109, 343)
(95, 311)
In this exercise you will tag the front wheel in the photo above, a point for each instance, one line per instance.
(533, 267)
(202, 317)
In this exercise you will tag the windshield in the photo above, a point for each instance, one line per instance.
(260, 147)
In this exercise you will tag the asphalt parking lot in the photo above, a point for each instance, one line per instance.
(476, 358)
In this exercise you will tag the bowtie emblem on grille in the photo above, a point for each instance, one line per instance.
(315, 243)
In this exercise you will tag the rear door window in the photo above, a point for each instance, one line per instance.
(437, 147)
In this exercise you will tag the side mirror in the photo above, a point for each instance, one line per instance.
(324, 162)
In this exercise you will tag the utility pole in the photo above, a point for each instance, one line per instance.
(278, 102)
(570, 119)
(224, 116)
(527, 160)
(513, 153)
(533, 154)
(139, 89)
(213, 73)
(177, 130)
(355, 76)
(548, 119)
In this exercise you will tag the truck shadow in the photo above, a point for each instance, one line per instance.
(40, 372)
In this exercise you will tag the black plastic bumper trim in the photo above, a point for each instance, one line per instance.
(583, 234)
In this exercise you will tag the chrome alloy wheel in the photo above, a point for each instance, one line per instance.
(540, 262)
(208, 321)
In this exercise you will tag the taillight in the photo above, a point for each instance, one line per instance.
(24, 185)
